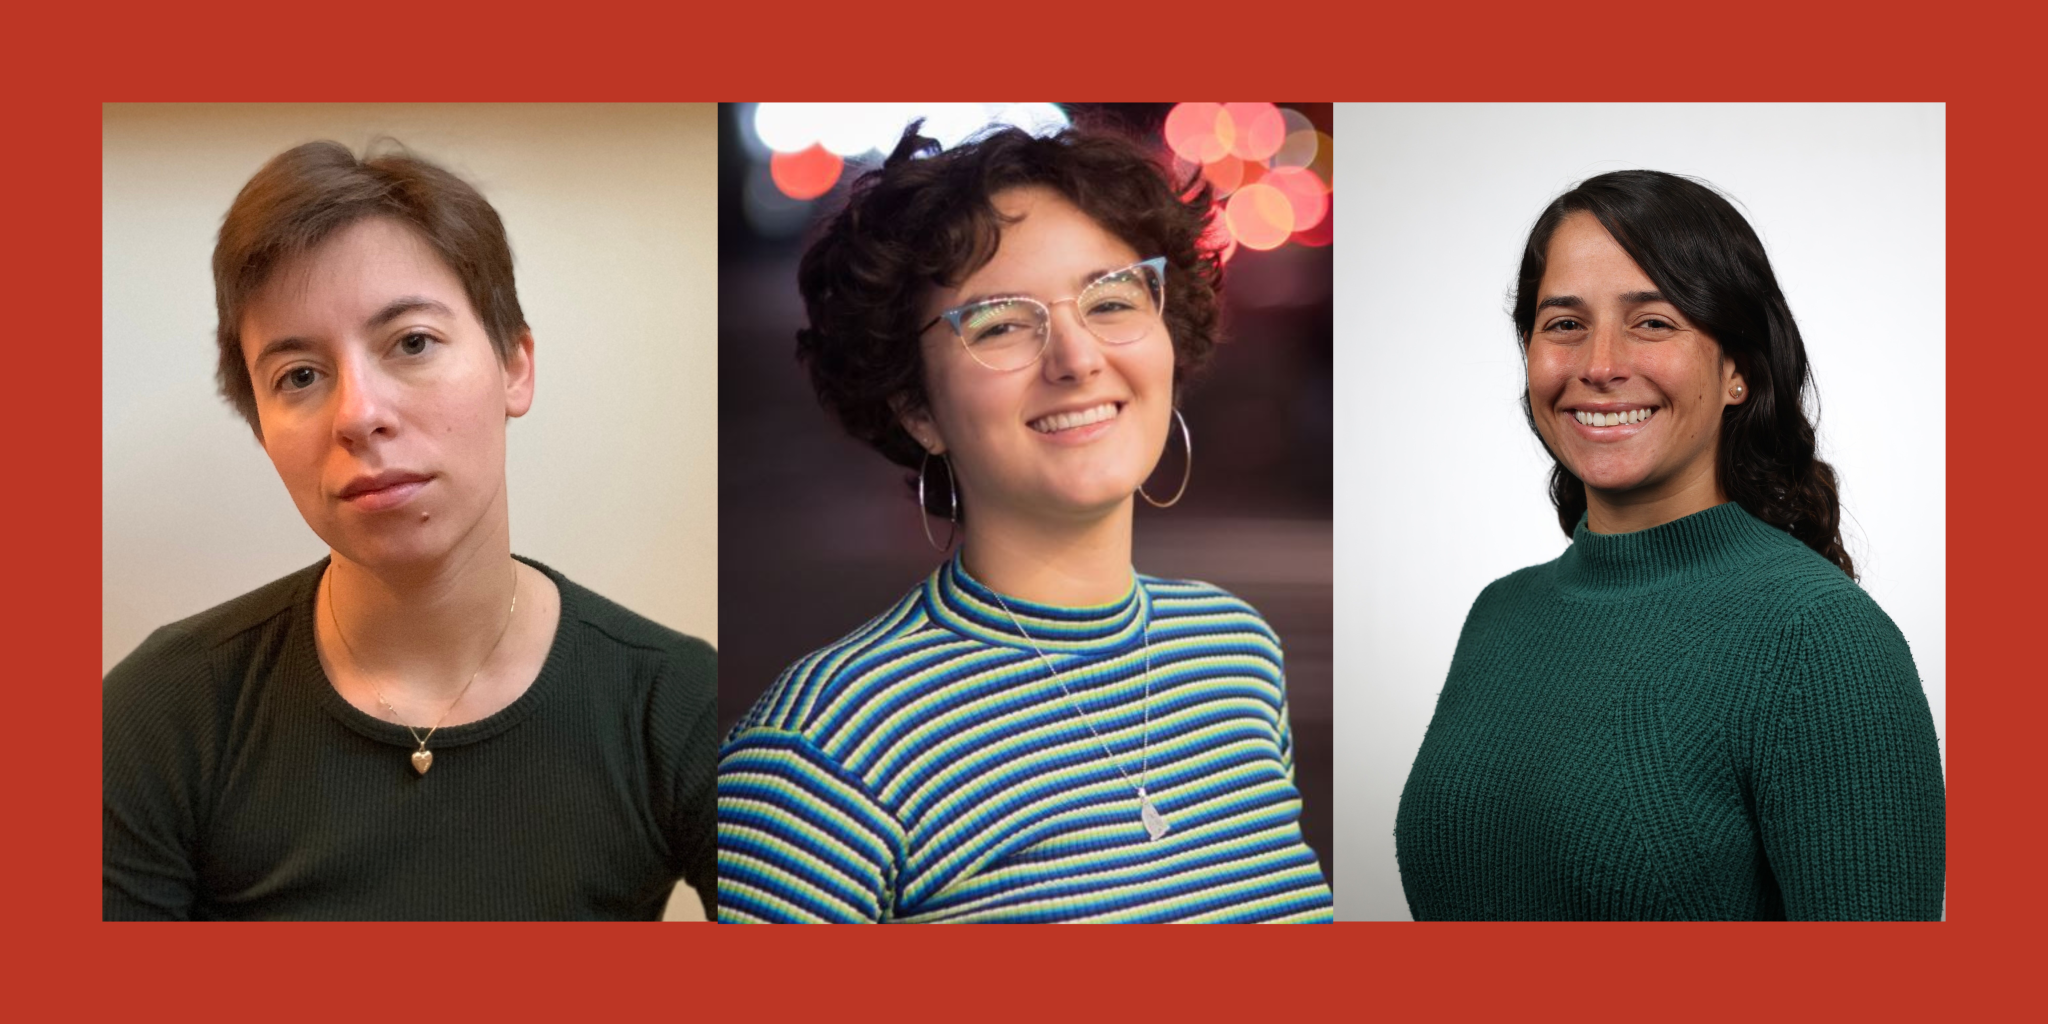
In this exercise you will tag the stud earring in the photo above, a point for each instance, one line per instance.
(1736, 392)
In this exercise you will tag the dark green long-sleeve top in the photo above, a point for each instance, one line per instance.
(1704, 720)
(239, 785)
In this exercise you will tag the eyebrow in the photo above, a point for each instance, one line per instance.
(1627, 299)
(392, 310)
(409, 304)
(1083, 280)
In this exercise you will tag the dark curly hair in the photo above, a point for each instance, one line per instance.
(1707, 261)
(925, 220)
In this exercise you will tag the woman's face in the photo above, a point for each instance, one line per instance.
(1074, 434)
(1624, 389)
(381, 398)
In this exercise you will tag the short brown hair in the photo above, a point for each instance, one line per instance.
(307, 193)
(926, 219)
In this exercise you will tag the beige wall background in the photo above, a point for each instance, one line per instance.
(613, 475)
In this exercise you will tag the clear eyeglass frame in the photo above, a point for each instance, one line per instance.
(960, 317)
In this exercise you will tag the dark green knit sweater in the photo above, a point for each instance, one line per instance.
(1705, 720)
(238, 784)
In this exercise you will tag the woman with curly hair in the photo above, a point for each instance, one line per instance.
(1694, 712)
(1036, 732)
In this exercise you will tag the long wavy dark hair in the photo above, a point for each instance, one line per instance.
(1707, 261)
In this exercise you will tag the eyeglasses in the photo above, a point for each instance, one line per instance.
(1011, 332)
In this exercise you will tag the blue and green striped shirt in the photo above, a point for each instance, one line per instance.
(928, 768)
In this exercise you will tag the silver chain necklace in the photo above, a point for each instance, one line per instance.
(1155, 823)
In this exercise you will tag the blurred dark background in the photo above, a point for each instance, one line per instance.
(817, 533)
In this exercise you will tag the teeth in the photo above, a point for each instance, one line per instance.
(1613, 419)
(1069, 420)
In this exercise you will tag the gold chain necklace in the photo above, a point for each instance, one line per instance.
(423, 759)
(1155, 823)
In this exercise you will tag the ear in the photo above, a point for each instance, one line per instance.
(918, 423)
(1733, 387)
(519, 376)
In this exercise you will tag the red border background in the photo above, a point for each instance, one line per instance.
(67, 63)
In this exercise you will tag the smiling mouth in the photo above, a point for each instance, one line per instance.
(1613, 419)
(1059, 421)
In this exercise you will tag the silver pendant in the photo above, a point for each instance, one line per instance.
(422, 759)
(1156, 824)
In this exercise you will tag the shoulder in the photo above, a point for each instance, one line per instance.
(1795, 576)
(1834, 627)
(1197, 605)
(813, 686)
(1513, 590)
(682, 669)
(1200, 623)
(187, 659)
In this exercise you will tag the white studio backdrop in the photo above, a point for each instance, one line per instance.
(1441, 487)
(613, 474)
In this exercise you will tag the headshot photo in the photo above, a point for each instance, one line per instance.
(1642, 582)
(1024, 432)
(409, 521)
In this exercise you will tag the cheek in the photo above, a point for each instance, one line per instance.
(972, 405)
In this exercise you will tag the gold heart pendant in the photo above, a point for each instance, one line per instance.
(422, 760)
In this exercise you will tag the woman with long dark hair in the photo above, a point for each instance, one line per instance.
(1036, 732)
(1694, 712)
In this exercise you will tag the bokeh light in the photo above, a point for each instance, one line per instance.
(1268, 167)
(806, 174)
(1304, 191)
(784, 127)
(852, 130)
(1325, 154)
(1036, 118)
(1191, 131)
(1322, 232)
(1226, 174)
(1260, 216)
(1299, 148)
(1257, 130)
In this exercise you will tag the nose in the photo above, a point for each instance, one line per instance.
(362, 408)
(1607, 356)
(1072, 353)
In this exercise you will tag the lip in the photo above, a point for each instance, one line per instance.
(380, 491)
(1618, 432)
(1078, 435)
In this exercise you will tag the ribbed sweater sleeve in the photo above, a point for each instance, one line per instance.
(160, 736)
(688, 737)
(1286, 739)
(799, 839)
(1847, 774)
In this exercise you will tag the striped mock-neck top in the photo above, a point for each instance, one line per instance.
(928, 767)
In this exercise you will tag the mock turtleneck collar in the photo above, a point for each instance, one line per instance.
(967, 606)
(1618, 564)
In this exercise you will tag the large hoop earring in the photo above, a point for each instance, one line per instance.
(924, 517)
(1187, 470)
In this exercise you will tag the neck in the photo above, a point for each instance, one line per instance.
(423, 630)
(1066, 563)
(1647, 507)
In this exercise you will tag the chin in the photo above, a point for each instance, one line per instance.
(1092, 501)
(1614, 479)
(404, 544)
